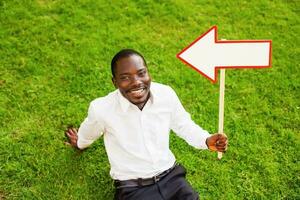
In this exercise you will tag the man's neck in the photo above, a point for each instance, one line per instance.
(142, 105)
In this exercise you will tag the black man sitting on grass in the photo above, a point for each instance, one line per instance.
(135, 121)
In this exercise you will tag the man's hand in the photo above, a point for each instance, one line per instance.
(71, 134)
(217, 142)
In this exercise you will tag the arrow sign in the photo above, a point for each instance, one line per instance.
(207, 54)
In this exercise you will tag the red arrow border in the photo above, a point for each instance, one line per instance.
(224, 41)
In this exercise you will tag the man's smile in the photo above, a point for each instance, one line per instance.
(137, 92)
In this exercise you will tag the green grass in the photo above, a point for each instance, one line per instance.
(55, 58)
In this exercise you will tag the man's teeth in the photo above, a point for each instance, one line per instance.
(137, 91)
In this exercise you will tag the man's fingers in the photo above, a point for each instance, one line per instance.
(221, 143)
(221, 148)
(74, 130)
(221, 140)
(71, 132)
(218, 142)
(69, 135)
(71, 144)
(67, 143)
(222, 136)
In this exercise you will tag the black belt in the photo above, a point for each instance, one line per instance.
(140, 182)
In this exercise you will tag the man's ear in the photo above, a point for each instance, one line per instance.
(114, 82)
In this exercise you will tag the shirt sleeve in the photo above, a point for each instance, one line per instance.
(185, 127)
(90, 129)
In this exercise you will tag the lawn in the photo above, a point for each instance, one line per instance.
(55, 59)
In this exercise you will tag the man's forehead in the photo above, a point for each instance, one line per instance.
(130, 61)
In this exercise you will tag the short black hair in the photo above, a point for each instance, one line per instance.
(123, 54)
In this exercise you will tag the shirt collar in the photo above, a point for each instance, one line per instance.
(125, 104)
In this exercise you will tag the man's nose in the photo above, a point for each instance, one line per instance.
(136, 80)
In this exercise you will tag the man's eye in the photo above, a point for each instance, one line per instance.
(142, 73)
(124, 78)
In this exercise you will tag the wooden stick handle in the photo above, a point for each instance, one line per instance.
(221, 105)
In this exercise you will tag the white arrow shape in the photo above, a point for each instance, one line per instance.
(206, 54)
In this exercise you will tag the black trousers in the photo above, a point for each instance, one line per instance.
(171, 187)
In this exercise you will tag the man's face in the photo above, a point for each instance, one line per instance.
(132, 79)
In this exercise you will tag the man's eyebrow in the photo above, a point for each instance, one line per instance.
(128, 73)
(123, 74)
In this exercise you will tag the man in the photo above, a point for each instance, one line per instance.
(135, 121)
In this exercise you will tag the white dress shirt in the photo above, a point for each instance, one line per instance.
(137, 142)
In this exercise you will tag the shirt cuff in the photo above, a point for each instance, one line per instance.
(203, 144)
(82, 144)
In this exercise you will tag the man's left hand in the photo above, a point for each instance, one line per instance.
(217, 142)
